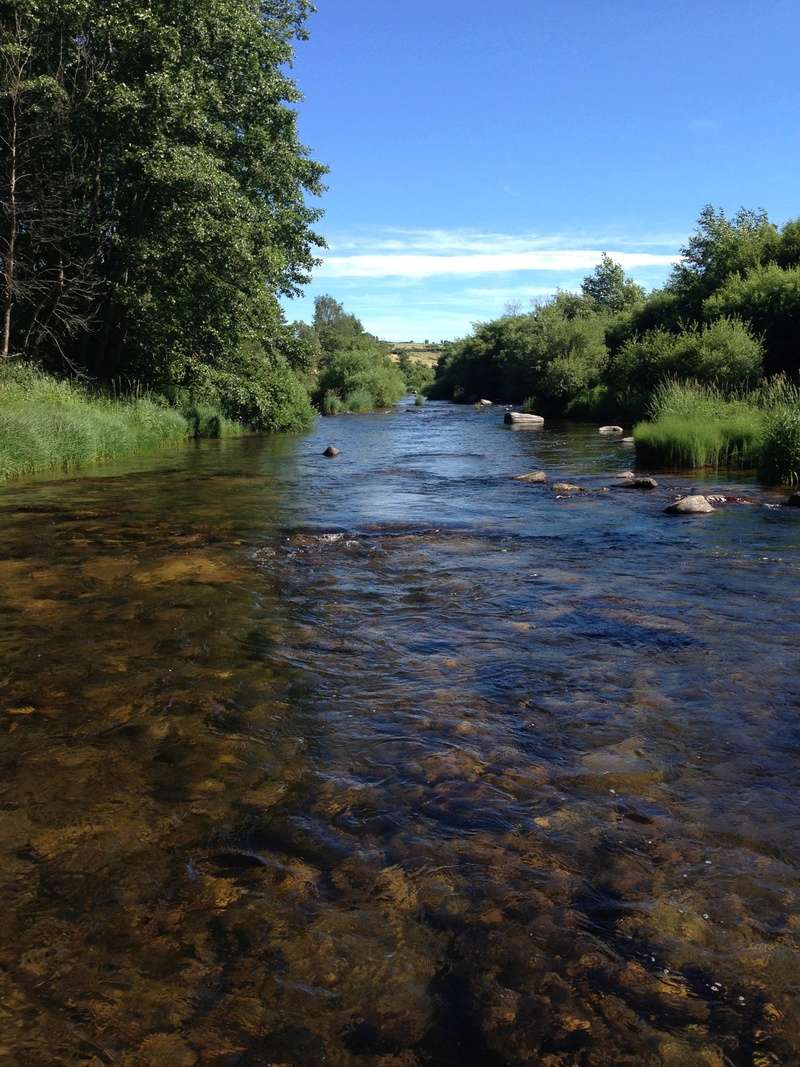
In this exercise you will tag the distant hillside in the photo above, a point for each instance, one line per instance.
(417, 350)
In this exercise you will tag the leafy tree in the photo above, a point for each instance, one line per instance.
(608, 287)
(719, 248)
(176, 142)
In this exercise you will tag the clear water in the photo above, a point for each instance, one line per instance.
(392, 760)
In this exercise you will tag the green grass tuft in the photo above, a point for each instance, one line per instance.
(49, 424)
(693, 426)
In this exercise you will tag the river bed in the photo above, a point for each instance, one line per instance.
(391, 760)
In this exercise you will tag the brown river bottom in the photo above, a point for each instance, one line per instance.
(391, 761)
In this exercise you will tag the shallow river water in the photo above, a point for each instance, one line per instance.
(390, 760)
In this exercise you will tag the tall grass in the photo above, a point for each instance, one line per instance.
(52, 424)
(693, 425)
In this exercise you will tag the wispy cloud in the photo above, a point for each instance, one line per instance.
(438, 241)
(420, 283)
(415, 254)
(430, 266)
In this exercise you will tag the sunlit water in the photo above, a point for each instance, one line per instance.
(392, 760)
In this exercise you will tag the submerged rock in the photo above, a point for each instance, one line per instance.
(641, 483)
(610, 429)
(534, 477)
(690, 505)
(718, 498)
(330, 451)
(627, 440)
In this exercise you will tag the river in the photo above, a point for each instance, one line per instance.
(391, 760)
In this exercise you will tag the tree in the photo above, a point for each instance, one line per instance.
(718, 248)
(48, 243)
(609, 288)
(334, 327)
(179, 160)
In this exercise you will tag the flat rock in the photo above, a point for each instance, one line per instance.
(535, 477)
(521, 418)
(567, 487)
(690, 505)
(640, 483)
(627, 440)
(610, 429)
(330, 451)
(485, 403)
(625, 475)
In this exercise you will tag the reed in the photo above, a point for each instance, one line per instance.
(52, 424)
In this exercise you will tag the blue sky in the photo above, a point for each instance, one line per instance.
(482, 154)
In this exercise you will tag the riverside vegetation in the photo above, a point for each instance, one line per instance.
(708, 364)
(153, 211)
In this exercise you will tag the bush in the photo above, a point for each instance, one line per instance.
(362, 378)
(255, 389)
(769, 299)
(723, 352)
(207, 421)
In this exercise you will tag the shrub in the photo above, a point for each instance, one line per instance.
(723, 351)
(362, 378)
(768, 298)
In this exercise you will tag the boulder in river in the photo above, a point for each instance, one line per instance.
(625, 475)
(567, 487)
(330, 451)
(640, 483)
(793, 501)
(521, 418)
(535, 477)
(690, 505)
(485, 403)
(610, 429)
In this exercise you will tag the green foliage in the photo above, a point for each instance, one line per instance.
(160, 202)
(719, 248)
(362, 378)
(207, 421)
(416, 374)
(551, 354)
(697, 425)
(356, 372)
(723, 351)
(609, 289)
(768, 297)
(780, 452)
(47, 424)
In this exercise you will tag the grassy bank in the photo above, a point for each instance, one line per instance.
(693, 426)
(50, 424)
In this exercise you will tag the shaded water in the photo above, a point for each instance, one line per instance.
(391, 760)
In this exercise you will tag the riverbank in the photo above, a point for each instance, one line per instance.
(49, 424)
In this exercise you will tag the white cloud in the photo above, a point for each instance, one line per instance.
(425, 265)
(438, 241)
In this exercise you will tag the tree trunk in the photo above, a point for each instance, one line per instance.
(10, 257)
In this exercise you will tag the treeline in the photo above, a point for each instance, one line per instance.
(728, 316)
(153, 199)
